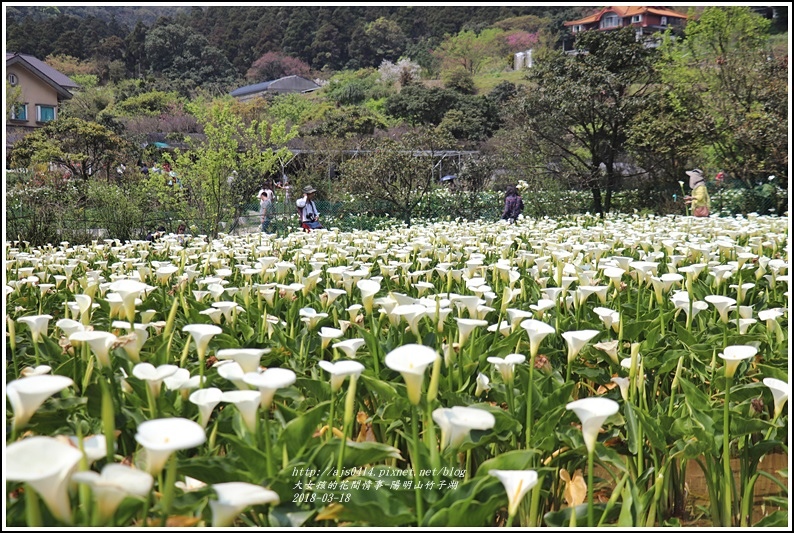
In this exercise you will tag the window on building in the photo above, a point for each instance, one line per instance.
(13, 80)
(663, 21)
(610, 21)
(19, 112)
(45, 113)
(636, 18)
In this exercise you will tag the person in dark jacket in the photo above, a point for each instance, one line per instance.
(514, 205)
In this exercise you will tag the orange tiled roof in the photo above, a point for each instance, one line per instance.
(626, 11)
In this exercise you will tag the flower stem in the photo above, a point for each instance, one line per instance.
(415, 464)
(528, 429)
(329, 434)
(726, 458)
(168, 488)
(347, 421)
(268, 446)
(32, 507)
(108, 418)
(590, 509)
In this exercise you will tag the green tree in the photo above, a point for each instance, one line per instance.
(222, 171)
(460, 80)
(399, 172)
(84, 148)
(470, 50)
(186, 59)
(418, 104)
(579, 113)
(726, 77)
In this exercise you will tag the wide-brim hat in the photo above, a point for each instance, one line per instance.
(309, 189)
(694, 173)
(261, 192)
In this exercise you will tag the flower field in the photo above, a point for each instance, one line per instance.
(554, 372)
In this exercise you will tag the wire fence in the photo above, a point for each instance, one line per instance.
(38, 226)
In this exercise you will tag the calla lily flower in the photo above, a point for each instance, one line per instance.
(94, 446)
(517, 483)
(69, 326)
(30, 371)
(577, 340)
(610, 348)
(412, 313)
(27, 394)
(37, 325)
(138, 337)
(456, 423)
(333, 294)
(232, 371)
(206, 400)
(84, 302)
(537, 331)
(115, 483)
(743, 324)
(247, 358)
(46, 464)
(623, 383)
(541, 307)
(153, 376)
(247, 402)
(482, 384)
(350, 346)
(234, 497)
(722, 304)
(369, 288)
(592, 412)
(610, 318)
(268, 382)
(340, 370)
(100, 342)
(411, 361)
(163, 436)
(780, 391)
(506, 366)
(311, 316)
(327, 334)
(190, 484)
(466, 326)
(129, 290)
(733, 355)
(202, 334)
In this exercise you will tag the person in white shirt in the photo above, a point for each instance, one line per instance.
(265, 207)
(310, 217)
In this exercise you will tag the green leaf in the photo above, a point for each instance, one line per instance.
(652, 430)
(562, 518)
(685, 336)
(382, 507)
(298, 431)
(357, 453)
(473, 504)
(211, 469)
(775, 519)
(512, 460)
(696, 398)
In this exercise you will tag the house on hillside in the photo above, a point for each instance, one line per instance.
(647, 20)
(287, 84)
(41, 90)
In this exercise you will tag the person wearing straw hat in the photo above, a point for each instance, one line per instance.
(699, 198)
(308, 210)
